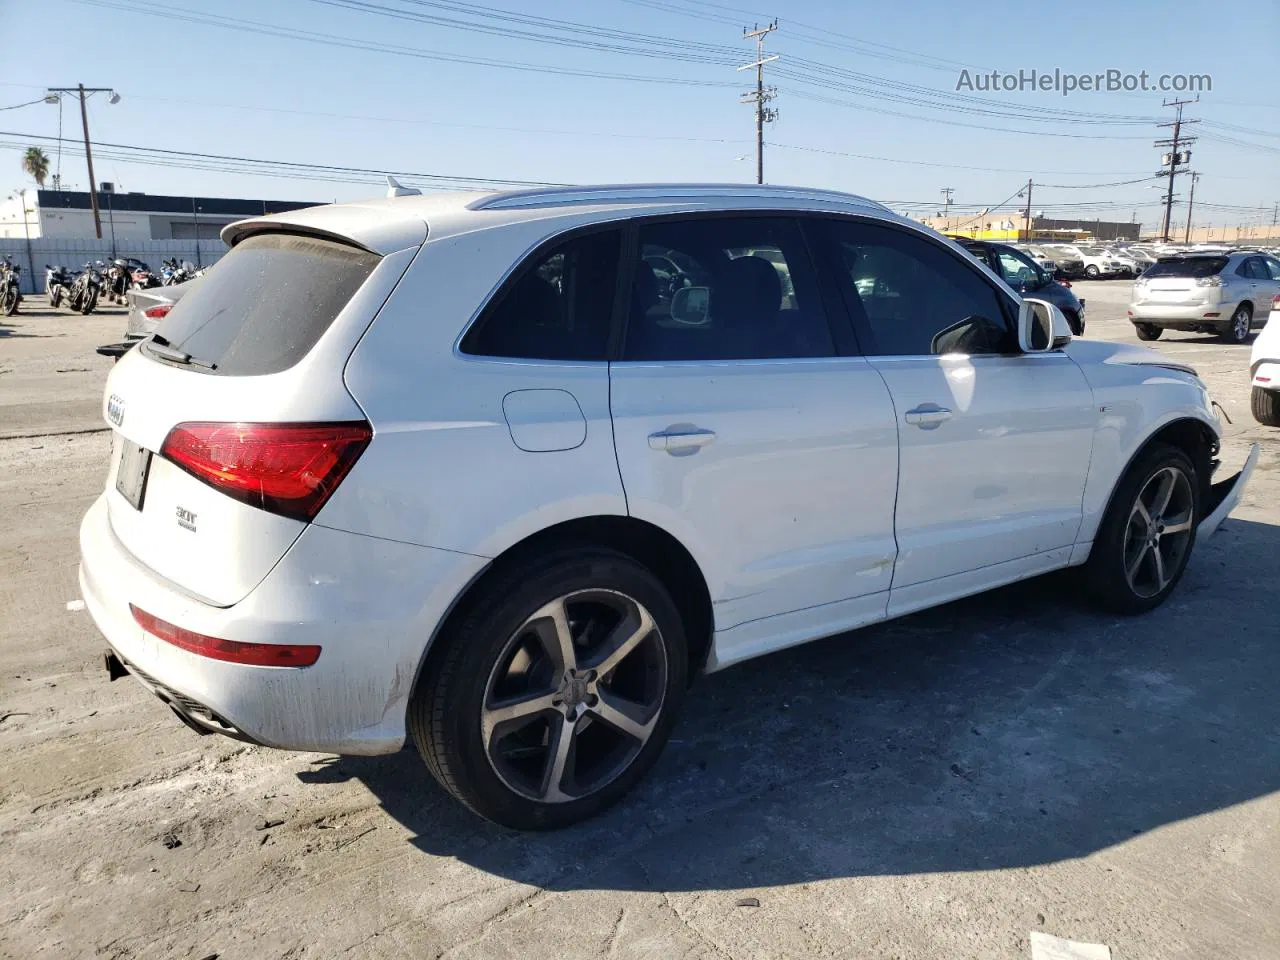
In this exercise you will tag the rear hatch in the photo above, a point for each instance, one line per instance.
(1181, 279)
(231, 423)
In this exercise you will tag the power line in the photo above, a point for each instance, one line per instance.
(297, 165)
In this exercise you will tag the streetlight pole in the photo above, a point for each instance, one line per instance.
(83, 93)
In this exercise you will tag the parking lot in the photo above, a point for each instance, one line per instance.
(935, 787)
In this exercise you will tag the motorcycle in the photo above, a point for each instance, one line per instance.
(86, 289)
(175, 272)
(57, 284)
(119, 280)
(10, 292)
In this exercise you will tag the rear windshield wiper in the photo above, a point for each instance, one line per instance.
(166, 351)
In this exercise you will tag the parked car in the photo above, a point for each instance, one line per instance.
(147, 307)
(1039, 258)
(1070, 265)
(490, 492)
(1225, 293)
(1097, 264)
(1019, 271)
(1264, 369)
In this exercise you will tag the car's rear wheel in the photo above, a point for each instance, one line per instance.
(553, 692)
(1143, 544)
(1147, 331)
(1241, 323)
(1265, 405)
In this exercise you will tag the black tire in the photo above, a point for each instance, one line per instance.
(1239, 326)
(9, 304)
(1147, 331)
(1265, 405)
(1092, 272)
(445, 712)
(55, 297)
(90, 302)
(1105, 571)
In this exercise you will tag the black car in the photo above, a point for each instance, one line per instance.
(1027, 277)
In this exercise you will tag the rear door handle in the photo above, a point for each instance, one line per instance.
(927, 416)
(672, 440)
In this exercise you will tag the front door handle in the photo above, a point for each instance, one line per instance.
(928, 416)
(673, 440)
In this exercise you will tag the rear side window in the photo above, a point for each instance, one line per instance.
(266, 303)
(1186, 267)
(558, 307)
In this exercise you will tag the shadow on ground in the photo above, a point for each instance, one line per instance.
(1001, 731)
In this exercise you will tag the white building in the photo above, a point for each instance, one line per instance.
(68, 215)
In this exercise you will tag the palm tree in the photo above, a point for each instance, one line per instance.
(36, 163)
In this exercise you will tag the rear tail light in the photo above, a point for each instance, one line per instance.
(1275, 303)
(158, 311)
(289, 469)
(1214, 281)
(233, 651)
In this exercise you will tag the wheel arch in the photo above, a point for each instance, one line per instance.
(656, 549)
(1195, 437)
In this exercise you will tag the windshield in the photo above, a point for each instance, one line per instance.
(264, 305)
(1186, 267)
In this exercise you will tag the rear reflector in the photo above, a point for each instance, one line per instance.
(286, 468)
(158, 311)
(232, 651)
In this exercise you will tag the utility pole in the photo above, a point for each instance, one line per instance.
(1026, 216)
(1174, 156)
(762, 94)
(946, 203)
(83, 93)
(1190, 202)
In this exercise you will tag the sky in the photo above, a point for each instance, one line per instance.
(592, 91)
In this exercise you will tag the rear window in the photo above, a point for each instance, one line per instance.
(266, 303)
(1186, 267)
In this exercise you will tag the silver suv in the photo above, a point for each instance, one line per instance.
(1225, 293)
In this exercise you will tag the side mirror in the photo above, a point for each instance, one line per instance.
(1041, 326)
(691, 306)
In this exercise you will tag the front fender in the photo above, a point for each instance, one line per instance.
(1134, 405)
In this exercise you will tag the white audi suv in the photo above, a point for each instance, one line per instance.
(466, 470)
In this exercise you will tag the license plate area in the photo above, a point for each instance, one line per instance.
(131, 475)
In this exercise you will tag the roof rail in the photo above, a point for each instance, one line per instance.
(658, 192)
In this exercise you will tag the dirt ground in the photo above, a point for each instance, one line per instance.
(937, 787)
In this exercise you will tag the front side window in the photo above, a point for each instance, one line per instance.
(912, 297)
(724, 288)
(1273, 268)
(558, 306)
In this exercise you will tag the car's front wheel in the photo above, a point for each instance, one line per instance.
(553, 693)
(1145, 539)
(1092, 272)
(1147, 331)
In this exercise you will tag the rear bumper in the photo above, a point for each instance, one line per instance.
(372, 605)
(1267, 375)
(1189, 313)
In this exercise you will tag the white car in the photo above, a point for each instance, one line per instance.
(1264, 369)
(459, 469)
(1098, 263)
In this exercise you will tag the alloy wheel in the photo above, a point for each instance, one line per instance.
(1240, 325)
(574, 696)
(1159, 531)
